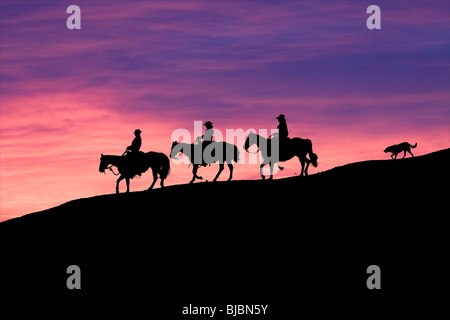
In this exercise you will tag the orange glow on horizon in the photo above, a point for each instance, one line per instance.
(51, 161)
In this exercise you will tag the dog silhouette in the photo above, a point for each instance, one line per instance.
(397, 148)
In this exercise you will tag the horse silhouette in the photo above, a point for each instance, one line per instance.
(129, 167)
(215, 152)
(293, 147)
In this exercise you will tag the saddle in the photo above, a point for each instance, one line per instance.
(283, 145)
(134, 162)
(203, 146)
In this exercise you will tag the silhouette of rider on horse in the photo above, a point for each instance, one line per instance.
(282, 134)
(135, 144)
(208, 138)
(282, 129)
(132, 154)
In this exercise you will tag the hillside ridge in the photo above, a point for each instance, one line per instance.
(241, 240)
(351, 171)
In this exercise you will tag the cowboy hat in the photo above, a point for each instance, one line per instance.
(137, 131)
(281, 117)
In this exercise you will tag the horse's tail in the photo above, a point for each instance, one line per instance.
(164, 170)
(312, 156)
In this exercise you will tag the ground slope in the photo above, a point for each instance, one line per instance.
(292, 243)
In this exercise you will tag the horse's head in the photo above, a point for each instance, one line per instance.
(174, 151)
(252, 138)
(103, 164)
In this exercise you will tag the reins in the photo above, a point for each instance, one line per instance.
(179, 158)
(253, 152)
(272, 135)
(111, 169)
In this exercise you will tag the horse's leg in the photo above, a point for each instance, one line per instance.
(230, 166)
(271, 170)
(196, 176)
(155, 177)
(221, 166)
(117, 183)
(194, 173)
(261, 169)
(307, 166)
(127, 180)
(162, 182)
(302, 162)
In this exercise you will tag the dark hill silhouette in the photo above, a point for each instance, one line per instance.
(286, 242)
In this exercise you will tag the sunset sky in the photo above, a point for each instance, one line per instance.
(67, 96)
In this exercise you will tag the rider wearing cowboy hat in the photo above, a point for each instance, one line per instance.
(282, 128)
(137, 142)
(207, 137)
(133, 157)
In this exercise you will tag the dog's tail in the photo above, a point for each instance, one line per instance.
(413, 146)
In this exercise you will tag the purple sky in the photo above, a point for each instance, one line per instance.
(69, 95)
